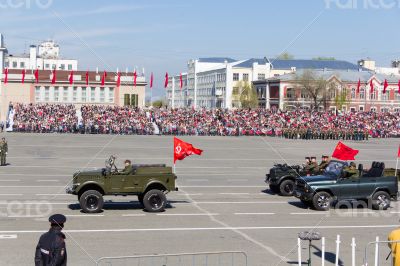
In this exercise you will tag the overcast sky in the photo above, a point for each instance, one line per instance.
(162, 35)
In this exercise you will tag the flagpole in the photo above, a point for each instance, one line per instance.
(397, 164)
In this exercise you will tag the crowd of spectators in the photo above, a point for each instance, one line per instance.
(96, 119)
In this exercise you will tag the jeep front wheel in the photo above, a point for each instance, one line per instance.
(286, 188)
(154, 201)
(380, 200)
(322, 201)
(91, 201)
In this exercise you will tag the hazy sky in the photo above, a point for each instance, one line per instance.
(161, 35)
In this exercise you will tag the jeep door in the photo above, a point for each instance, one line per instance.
(131, 183)
(115, 182)
(347, 188)
(367, 187)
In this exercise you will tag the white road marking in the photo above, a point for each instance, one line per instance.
(25, 174)
(84, 215)
(237, 180)
(187, 214)
(11, 194)
(234, 193)
(8, 236)
(127, 230)
(197, 180)
(309, 213)
(32, 186)
(254, 213)
(47, 180)
(61, 194)
(133, 215)
(25, 216)
(10, 180)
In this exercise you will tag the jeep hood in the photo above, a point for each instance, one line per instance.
(88, 172)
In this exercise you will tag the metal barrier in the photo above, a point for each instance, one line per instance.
(377, 257)
(223, 258)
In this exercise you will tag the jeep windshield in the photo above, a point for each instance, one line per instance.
(334, 168)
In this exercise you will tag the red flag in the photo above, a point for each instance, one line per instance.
(398, 152)
(134, 78)
(71, 77)
(181, 81)
(103, 78)
(87, 78)
(5, 76)
(371, 85)
(343, 152)
(385, 85)
(358, 85)
(151, 80)
(398, 84)
(54, 78)
(23, 76)
(118, 79)
(37, 75)
(166, 80)
(183, 149)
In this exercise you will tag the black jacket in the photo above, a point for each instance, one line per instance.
(51, 250)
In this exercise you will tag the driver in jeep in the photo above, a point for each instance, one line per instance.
(128, 168)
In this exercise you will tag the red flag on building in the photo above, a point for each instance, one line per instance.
(87, 78)
(151, 80)
(37, 75)
(5, 76)
(118, 79)
(398, 152)
(134, 78)
(385, 85)
(398, 84)
(103, 78)
(343, 152)
(166, 80)
(54, 78)
(71, 77)
(371, 85)
(183, 149)
(181, 81)
(358, 85)
(23, 76)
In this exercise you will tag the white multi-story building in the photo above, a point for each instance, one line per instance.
(217, 82)
(44, 57)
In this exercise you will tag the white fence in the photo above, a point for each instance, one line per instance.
(223, 258)
(372, 253)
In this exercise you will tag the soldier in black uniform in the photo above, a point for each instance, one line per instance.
(51, 248)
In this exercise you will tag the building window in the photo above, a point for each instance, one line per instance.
(92, 94)
(69, 67)
(102, 95)
(353, 93)
(245, 77)
(56, 94)
(53, 66)
(22, 64)
(362, 93)
(47, 66)
(65, 94)
(74, 94)
(332, 93)
(46, 94)
(6, 64)
(83, 94)
(14, 64)
(111, 95)
(62, 67)
(384, 96)
(37, 94)
(373, 109)
(261, 76)
(304, 93)
(373, 95)
(127, 98)
(290, 93)
(235, 76)
(134, 100)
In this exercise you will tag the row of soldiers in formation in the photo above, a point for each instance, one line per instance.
(311, 167)
(302, 133)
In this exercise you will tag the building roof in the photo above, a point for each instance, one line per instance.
(301, 64)
(343, 75)
(216, 60)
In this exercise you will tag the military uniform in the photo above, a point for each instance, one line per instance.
(3, 151)
(51, 250)
(128, 168)
(312, 168)
(324, 163)
(351, 171)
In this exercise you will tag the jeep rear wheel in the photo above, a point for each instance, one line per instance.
(91, 201)
(380, 200)
(154, 201)
(322, 201)
(286, 188)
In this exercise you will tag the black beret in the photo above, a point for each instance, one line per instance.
(313, 157)
(57, 219)
(307, 158)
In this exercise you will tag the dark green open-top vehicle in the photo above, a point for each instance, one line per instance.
(150, 182)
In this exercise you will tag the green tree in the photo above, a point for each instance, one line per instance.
(244, 95)
(285, 56)
(159, 103)
(341, 98)
(322, 58)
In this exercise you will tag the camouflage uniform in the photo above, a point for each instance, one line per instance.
(3, 151)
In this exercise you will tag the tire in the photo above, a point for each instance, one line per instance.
(274, 188)
(140, 198)
(91, 201)
(286, 188)
(322, 201)
(380, 200)
(154, 201)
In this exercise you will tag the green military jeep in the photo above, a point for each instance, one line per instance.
(150, 182)
(375, 187)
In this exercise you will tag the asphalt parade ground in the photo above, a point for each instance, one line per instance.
(222, 203)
